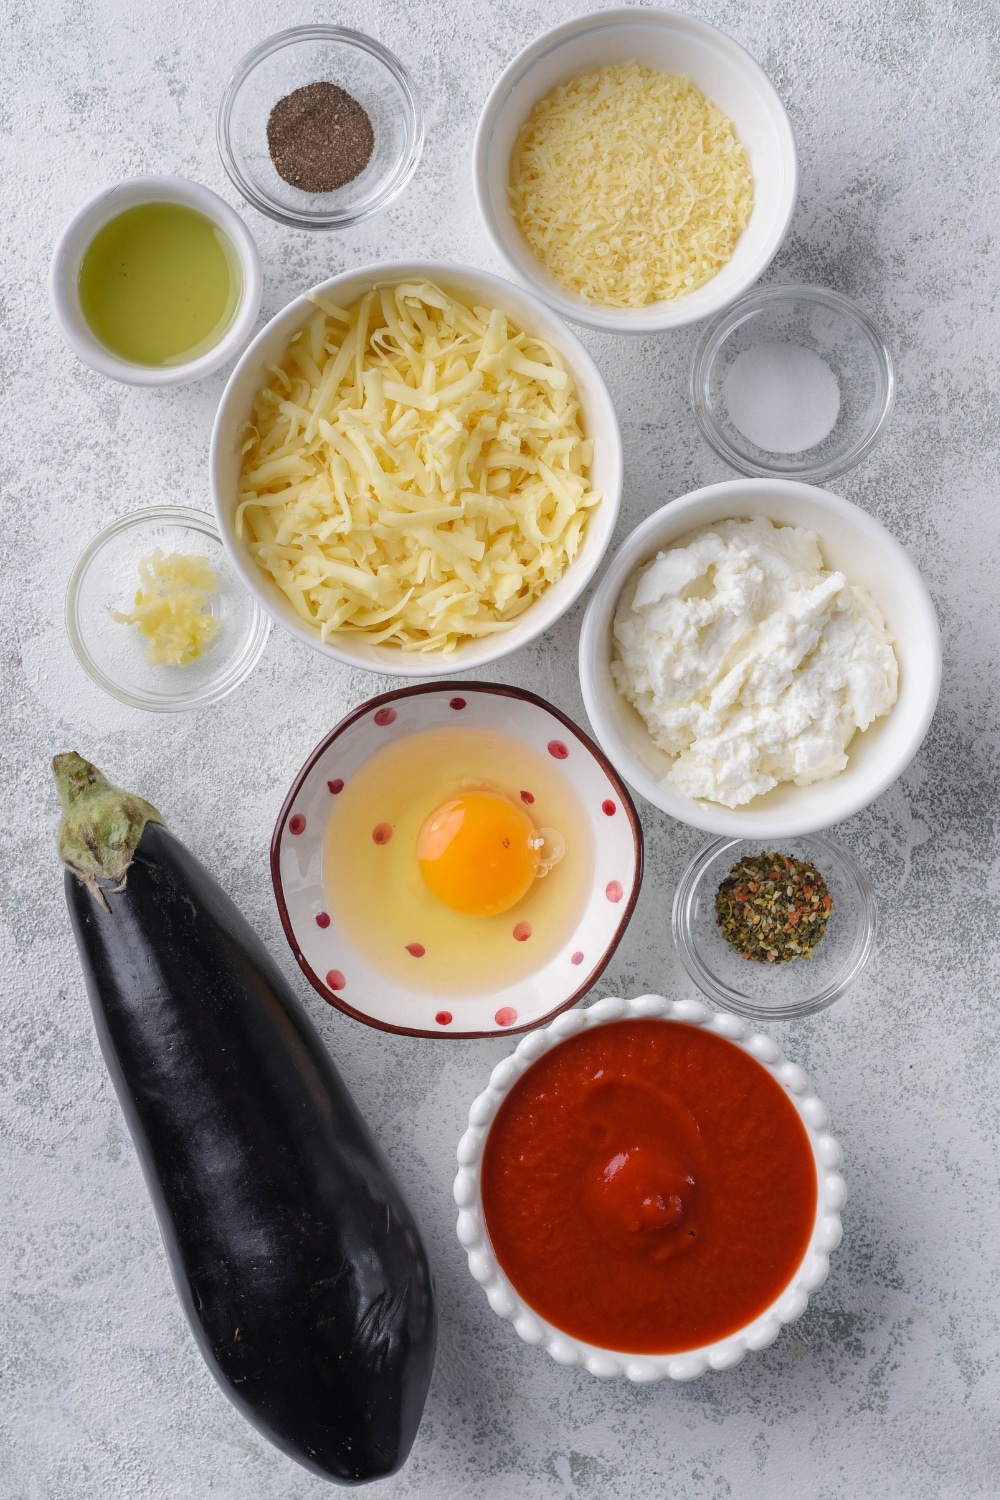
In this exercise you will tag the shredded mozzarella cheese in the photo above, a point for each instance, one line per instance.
(629, 185)
(415, 470)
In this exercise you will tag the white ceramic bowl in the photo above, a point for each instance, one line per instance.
(600, 422)
(342, 974)
(64, 278)
(851, 540)
(674, 43)
(644, 1368)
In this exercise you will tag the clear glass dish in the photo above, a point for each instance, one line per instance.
(106, 578)
(779, 991)
(792, 382)
(290, 60)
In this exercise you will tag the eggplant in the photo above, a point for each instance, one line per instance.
(295, 1256)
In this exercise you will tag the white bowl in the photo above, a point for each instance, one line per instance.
(323, 947)
(644, 1368)
(600, 424)
(67, 258)
(674, 43)
(851, 540)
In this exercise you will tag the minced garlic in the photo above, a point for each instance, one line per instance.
(415, 470)
(172, 610)
(629, 185)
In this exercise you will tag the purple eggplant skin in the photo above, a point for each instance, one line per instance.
(295, 1256)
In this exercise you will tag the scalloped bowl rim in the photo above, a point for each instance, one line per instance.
(831, 1192)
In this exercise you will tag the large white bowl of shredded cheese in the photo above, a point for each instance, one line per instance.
(342, 548)
(674, 44)
(852, 543)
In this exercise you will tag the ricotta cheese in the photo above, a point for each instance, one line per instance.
(749, 661)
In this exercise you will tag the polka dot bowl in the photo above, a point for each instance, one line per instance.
(323, 948)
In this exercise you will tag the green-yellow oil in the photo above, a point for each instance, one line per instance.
(159, 284)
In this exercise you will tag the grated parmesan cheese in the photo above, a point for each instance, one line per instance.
(415, 470)
(172, 611)
(629, 185)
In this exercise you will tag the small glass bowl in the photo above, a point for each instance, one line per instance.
(290, 60)
(775, 992)
(800, 326)
(106, 578)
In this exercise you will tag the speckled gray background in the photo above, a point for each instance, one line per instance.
(888, 1386)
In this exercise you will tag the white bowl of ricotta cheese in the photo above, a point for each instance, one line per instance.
(720, 657)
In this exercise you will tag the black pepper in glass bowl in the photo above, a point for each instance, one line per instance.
(319, 127)
(792, 985)
(319, 137)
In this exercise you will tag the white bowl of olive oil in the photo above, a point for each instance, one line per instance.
(156, 281)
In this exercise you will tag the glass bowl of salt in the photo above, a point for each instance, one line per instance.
(793, 382)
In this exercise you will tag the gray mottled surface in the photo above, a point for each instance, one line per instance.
(888, 1386)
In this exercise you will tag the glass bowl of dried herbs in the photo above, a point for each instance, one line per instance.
(774, 930)
(319, 127)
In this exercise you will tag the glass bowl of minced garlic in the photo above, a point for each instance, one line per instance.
(157, 614)
(636, 168)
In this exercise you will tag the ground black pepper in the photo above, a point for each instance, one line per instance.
(319, 137)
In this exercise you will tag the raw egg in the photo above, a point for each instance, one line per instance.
(435, 854)
(477, 853)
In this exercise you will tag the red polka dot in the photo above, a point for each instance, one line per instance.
(522, 932)
(336, 786)
(506, 1016)
(456, 703)
(443, 1018)
(297, 824)
(527, 796)
(557, 749)
(577, 958)
(417, 950)
(322, 919)
(608, 808)
(613, 890)
(335, 979)
(385, 716)
(382, 833)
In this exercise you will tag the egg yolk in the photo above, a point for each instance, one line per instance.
(476, 853)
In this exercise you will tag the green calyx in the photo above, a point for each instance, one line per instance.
(101, 825)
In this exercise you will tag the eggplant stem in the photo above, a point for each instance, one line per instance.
(101, 825)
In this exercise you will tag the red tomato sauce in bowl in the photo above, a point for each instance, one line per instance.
(648, 1187)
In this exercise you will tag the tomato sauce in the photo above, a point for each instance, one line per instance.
(648, 1187)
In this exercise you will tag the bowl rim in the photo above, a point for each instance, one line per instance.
(496, 689)
(712, 341)
(724, 994)
(99, 210)
(260, 625)
(395, 181)
(812, 1271)
(536, 619)
(641, 544)
(673, 313)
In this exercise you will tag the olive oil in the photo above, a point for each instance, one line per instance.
(159, 284)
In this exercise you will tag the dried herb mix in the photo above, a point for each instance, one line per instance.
(773, 908)
(319, 137)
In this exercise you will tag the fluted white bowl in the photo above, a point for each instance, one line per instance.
(812, 1271)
